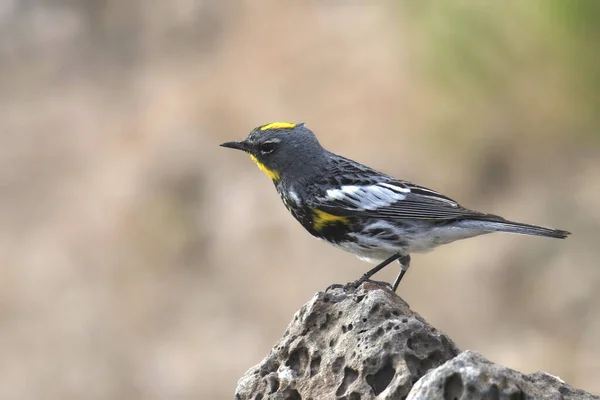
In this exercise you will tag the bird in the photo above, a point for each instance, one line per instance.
(363, 211)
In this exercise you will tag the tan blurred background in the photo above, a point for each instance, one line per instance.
(141, 261)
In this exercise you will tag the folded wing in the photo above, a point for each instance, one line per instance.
(391, 199)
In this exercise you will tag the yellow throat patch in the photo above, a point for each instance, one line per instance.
(321, 219)
(274, 175)
(278, 125)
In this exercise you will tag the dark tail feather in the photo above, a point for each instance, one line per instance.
(517, 227)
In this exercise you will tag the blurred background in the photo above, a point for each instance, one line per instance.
(141, 261)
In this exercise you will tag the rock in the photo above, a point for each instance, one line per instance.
(353, 346)
(471, 377)
(368, 344)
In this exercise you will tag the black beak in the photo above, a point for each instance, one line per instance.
(241, 145)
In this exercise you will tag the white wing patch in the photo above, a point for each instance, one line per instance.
(368, 197)
(395, 188)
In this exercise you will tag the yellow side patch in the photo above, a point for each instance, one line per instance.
(321, 218)
(278, 125)
(274, 175)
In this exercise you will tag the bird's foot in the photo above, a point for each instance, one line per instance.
(335, 286)
(352, 286)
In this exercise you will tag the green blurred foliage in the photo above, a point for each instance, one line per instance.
(488, 49)
(576, 25)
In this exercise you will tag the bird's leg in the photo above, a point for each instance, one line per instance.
(404, 264)
(367, 276)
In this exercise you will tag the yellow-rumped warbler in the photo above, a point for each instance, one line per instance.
(360, 210)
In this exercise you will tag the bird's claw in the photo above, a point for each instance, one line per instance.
(335, 286)
(352, 286)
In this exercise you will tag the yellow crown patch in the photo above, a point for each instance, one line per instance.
(278, 125)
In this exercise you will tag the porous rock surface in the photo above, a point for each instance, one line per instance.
(361, 345)
(470, 376)
(368, 344)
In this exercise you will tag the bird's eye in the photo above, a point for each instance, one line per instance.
(267, 147)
